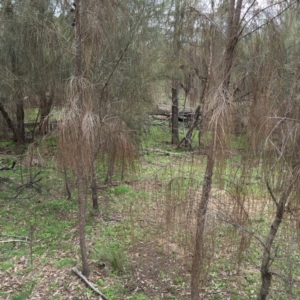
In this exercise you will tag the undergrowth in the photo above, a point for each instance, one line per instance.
(140, 244)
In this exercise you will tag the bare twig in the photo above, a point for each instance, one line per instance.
(196, 120)
(89, 284)
(200, 14)
(240, 227)
(32, 182)
(268, 21)
(115, 67)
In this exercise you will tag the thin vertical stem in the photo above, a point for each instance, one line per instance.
(80, 173)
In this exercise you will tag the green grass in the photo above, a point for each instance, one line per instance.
(7, 144)
(31, 114)
(158, 136)
(120, 190)
(6, 266)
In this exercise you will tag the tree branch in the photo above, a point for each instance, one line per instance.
(14, 241)
(271, 192)
(89, 284)
(16, 236)
(259, 27)
(9, 168)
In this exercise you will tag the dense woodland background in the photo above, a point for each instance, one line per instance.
(153, 144)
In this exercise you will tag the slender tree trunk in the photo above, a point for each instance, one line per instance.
(20, 122)
(175, 83)
(81, 219)
(45, 109)
(67, 184)
(175, 111)
(94, 190)
(80, 173)
(8, 121)
(198, 255)
(266, 274)
(19, 128)
(202, 122)
(234, 15)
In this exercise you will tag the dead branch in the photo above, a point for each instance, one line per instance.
(268, 21)
(9, 168)
(242, 228)
(16, 236)
(271, 192)
(182, 115)
(89, 284)
(32, 182)
(189, 133)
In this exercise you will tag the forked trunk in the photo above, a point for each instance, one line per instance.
(8, 121)
(266, 274)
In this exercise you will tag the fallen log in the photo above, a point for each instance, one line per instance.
(183, 116)
(163, 152)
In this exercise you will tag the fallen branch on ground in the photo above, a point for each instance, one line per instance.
(31, 183)
(9, 168)
(187, 137)
(16, 236)
(89, 284)
(14, 241)
(161, 151)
